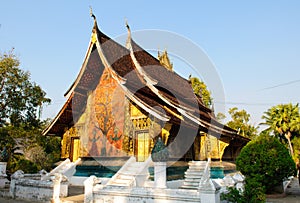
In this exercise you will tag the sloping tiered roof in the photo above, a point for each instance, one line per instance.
(144, 81)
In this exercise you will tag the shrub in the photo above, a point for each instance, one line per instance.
(267, 161)
(26, 166)
(253, 193)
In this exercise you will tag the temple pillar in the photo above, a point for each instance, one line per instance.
(160, 174)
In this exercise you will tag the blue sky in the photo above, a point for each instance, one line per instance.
(253, 45)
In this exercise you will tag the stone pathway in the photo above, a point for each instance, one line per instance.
(73, 199)
(6, 200)
(294, 188)
(76, 195)
(292, 194)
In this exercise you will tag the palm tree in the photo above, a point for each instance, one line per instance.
(283, 120)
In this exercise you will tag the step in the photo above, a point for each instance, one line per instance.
(188, 173)
(122, 181)
(198, 163)
(195, 173)
(191, 183)
(129, 173)
(197, 168)
(192, 179)
(133, 168)
(125, 177)
(189, 187)
(119, 184)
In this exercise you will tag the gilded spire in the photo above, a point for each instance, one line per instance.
(165, 60)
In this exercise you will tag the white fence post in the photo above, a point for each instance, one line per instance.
(56, 187)
(88, 188)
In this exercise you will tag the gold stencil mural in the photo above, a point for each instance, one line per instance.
(102, 123)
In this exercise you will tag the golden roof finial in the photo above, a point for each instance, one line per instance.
(165, 60)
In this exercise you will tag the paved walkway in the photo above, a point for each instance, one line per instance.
(292, 194)
(5, 200)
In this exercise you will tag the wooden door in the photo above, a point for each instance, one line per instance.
(143, 145)
(75, 149)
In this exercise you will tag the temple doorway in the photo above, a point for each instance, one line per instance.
(142, 145)
(75, 148)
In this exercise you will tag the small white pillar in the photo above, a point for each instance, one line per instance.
(3, 180)
(3, 168)
(3, 176)
(210, 196)
(89, 184)
(56, 187)
(209, 192)
(160, 174)
(17, 175)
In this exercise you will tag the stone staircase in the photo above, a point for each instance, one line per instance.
(66, 168)
(194, 174)
(132, 174)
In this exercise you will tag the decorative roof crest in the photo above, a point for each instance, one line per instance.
(95, 20)
(94, 35)
(128, 41)
(91, 13)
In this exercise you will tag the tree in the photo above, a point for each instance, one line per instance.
(266, 161)
(220, 117)
(200, 89)
(283, 121)
(296, 146)
(20, 99)
(21, 102)
(241, 122)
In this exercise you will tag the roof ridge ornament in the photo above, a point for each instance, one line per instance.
(140, 70)
(95, 28)
(128, 41)
(95, 20)
(91, 13)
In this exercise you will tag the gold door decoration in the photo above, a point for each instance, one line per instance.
(215, 150)
(222, 146)
(143, 146)
(66, 143)
(211, 147)
(128, 140)
(75, 149)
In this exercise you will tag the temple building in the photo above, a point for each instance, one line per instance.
(123, 99)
